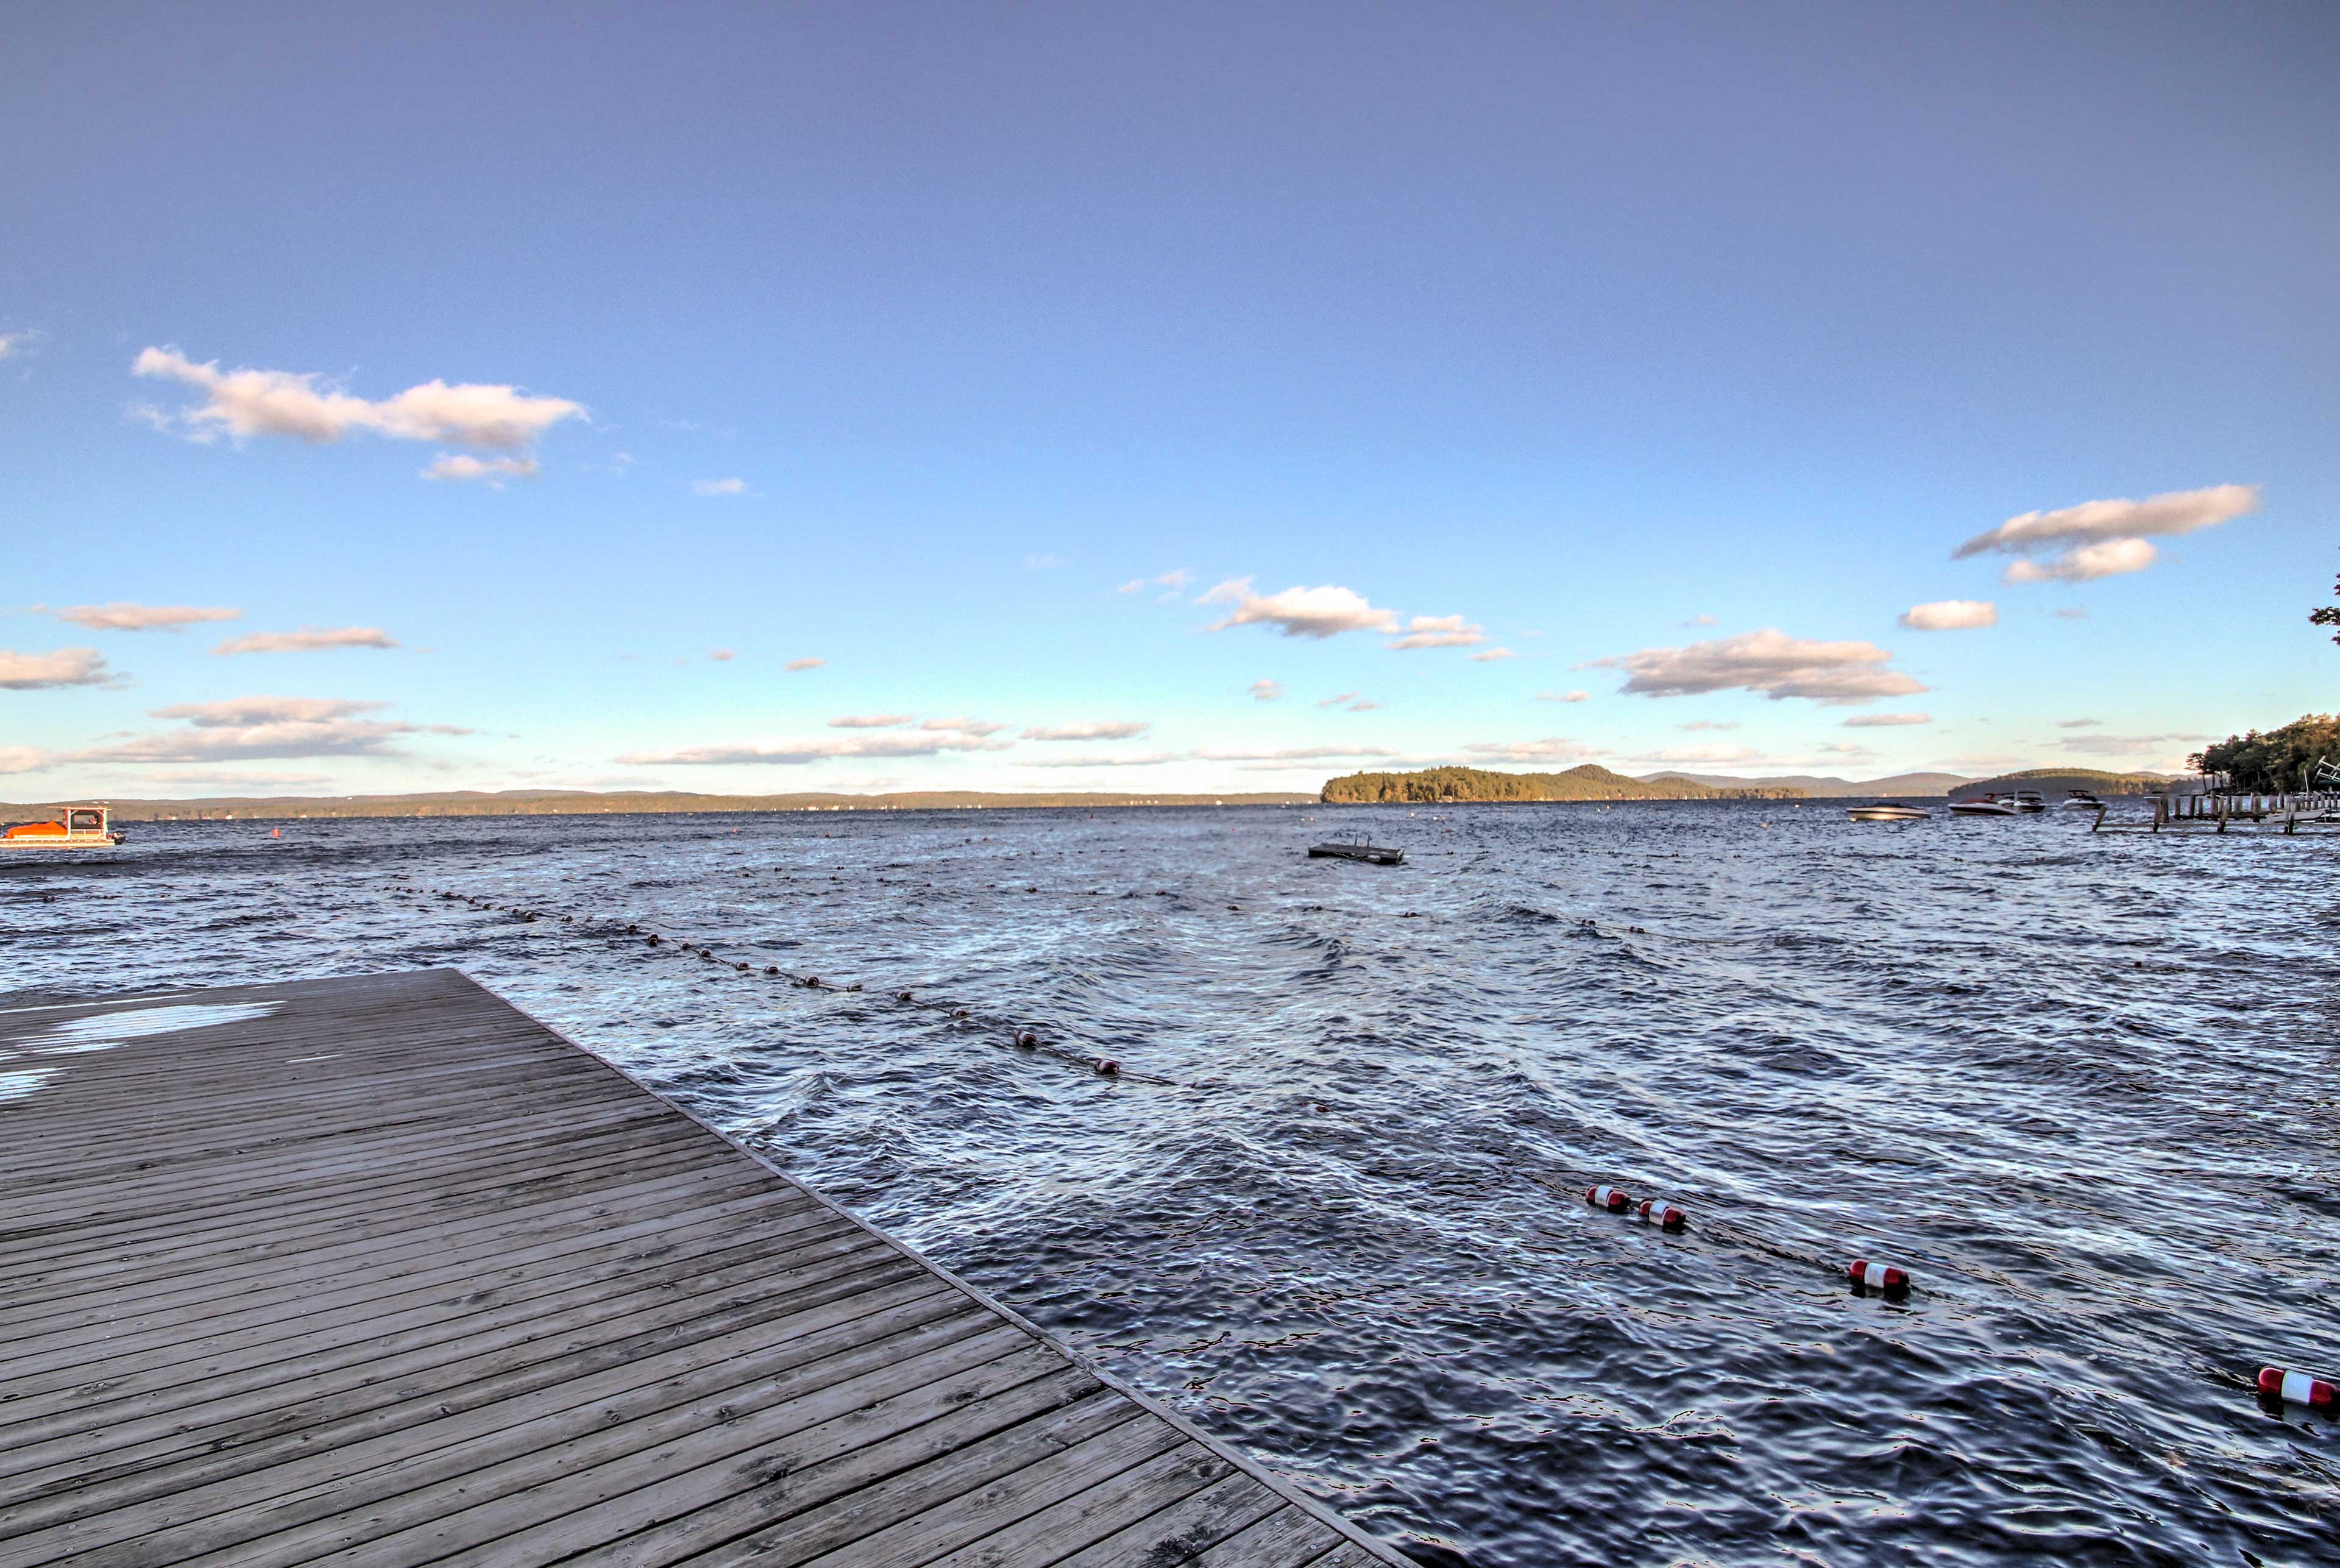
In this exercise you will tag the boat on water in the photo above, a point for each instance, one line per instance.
(1985, 806)
(75, 827)
(2082, 800)
(2028, 800)
(1887, 811)
(1357, 850)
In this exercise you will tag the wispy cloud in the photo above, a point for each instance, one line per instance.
(240, 403)
(964, 726)
(718, 487)
(871, 721)
(794, 665)
(1170, 583)
(1150, 760)
(1126, 730)
(800, 753)
(1043, 562)
(2071, 612)
(1492, 653)
(1337, 699)
(309, 639)
(1563, 696)
(1698, 724)
(2119, 745)
(1440, 631)
(1550, 748)
(23, 760)
(58, 667)
(1886, 721)
(1950, 615)
(721, 655)
(2078, 723)
(219, 778)
(2106, 538)
(121, 616)
(1769, 661)
(1317, 613)
(1701, 620)
(1266, 691)
(268, 728)
(463, 467)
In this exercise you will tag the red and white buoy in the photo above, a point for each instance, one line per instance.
(1616, 1200)
(1658, 1212)
(1879, 1275)
(2298, 1387)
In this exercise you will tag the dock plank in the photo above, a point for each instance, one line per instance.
(384, 1272)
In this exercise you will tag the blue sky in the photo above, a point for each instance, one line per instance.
(1665, 355)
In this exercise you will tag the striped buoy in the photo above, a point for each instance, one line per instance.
(1879, 1275)
(1614, 1200)
(1028, 1039)
(1109, 1067)
(1660, 1212)
(2297, 1387)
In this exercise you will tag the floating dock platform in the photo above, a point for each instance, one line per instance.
(381, 1271)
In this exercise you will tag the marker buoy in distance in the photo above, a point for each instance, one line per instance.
(903, 997)
(1028, 1039)
(772, 969)
(653, 942)
(1879, 1275)
(812, 982)
(1662, 1213)
(1614, 1200)
(1108, 1066)
(2298, 1387)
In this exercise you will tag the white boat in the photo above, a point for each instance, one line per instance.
(75, 827)
(1984, 806)
(2082, 800)
(1887, 811)
(2027, 801)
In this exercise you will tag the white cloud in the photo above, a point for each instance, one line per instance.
(1362, 705)
(797, 753)
(217, 778)
(2106, 538)
(1320, 612)
(1550, 749)
(718, 487)
(1151, 759)
(2093, 521)
(2112, 557)
(2078, 723)
(871, 721)
(1291, 754)
(1266, 691)
(1043, 562)
(1563, 696)
(1128, 729)
(267, 727)
(1769, 661)
(22, 760)
(794, 665)
(964, 726)
(9, 341)
(2118, 745)
(1492, 653)
(1335, 701)
(721, 655)
(1440, 631)
(1886, 721)
(120, 616)
(1169, 582)
(1701, 620)
(1950, 615)
(1718, 756)
(309, 639)
(1844, 749)
(1698, 724)
(247, 403)
(462, 466)
(60, 667)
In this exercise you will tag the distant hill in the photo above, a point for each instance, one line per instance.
(2051, 782)
(1590, 782)
(1827, 787)
(580, 802)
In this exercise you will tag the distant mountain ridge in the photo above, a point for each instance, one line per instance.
(1433, 786)
(616, 803)
(1825, 786)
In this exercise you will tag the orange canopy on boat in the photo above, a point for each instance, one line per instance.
(37, 831)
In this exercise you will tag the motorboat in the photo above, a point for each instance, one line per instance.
(75, 827)
(1357, 850)
(1887, 811)
(2027, 801)
(2082, 800)
(1985, 806)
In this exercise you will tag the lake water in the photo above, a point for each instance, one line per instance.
(2080, 1087)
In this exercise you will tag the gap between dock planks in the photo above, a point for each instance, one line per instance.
(381, 1271)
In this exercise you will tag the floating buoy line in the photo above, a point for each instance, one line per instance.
(1022, 1038)
(2277, 1386)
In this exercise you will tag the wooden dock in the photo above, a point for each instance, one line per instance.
(381, 1271)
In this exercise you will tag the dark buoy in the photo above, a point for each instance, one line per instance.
(1028, 1039)
(654, 939)
(1108, 1066)
(772, 969)
(812, 982)
(959, 1012)
(904, 997)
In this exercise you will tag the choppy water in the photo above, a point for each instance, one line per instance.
(2080, 1087)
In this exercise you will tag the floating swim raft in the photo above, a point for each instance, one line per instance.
(380, 1271)
(1357, 850)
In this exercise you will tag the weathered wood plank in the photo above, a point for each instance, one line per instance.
(391, 1274)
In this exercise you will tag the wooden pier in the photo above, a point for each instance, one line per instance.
(381, 1271)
